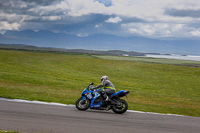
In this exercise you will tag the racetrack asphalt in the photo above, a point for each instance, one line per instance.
(40, 118)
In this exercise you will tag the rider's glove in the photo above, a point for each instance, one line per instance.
(92, 89)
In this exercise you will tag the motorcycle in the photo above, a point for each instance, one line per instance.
(93, 99)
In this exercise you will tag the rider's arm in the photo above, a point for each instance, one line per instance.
(101, 85)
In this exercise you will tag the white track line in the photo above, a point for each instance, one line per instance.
(36, 102)
(70, 105)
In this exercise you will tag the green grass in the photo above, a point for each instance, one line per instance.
(61, 78)
(150, 60)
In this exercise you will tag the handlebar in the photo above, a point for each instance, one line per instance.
(91, 87)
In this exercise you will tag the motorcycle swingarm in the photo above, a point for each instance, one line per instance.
(115, 102)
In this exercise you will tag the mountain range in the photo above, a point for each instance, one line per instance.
(101, 42)
(61, 50)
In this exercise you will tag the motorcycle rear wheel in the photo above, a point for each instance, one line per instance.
(120, 109)
(80, 105)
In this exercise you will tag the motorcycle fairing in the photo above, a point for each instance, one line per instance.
(121, 93)
(96, 105)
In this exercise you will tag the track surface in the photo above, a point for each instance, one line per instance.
(37, 118)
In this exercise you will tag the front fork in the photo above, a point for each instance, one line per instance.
(83, 100)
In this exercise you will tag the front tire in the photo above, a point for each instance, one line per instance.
(82, 105)
(122, 108)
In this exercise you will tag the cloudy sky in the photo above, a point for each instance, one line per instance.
(163, 19)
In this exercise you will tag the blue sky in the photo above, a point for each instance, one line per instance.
(156, 19)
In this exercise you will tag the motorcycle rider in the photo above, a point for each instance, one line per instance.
(109, 88)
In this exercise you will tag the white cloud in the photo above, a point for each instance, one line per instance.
(51, 18)
(97, 26)
(157, 22)
(4, 25)
(151, 10)
(195, 32)
(82, 34)
(114, 20)
(84, 7)
(157, 30)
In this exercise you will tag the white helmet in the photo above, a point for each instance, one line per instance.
(103, 78)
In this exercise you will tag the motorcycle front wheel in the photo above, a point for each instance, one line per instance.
(119, 109)
(82, 105)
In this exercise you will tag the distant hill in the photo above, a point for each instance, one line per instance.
(49, 49)
(61, 40)
(101, 42)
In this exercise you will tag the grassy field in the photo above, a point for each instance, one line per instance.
(151, 60)
(52, 77)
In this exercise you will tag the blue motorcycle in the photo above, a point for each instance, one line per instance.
(93, 99)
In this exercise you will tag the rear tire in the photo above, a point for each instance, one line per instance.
(120, 109)
(80, 105)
